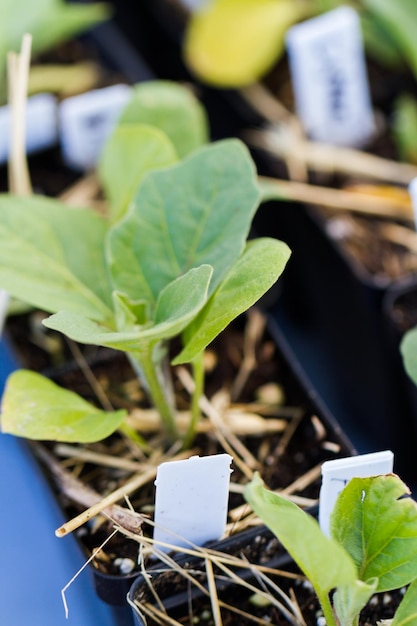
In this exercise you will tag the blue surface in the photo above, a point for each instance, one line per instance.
(34, 564)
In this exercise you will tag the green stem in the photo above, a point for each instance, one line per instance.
(327, 609)
(151, 368)
(198, 371)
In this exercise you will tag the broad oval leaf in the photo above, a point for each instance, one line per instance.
(52, 256)
(406, 614)
(34, 407)
(377, 525)
(179, 302)
(129, 153)
(231, 43)
(408, 348)
(259, 267)
(173, 109)
(326, 564)
(196, 212)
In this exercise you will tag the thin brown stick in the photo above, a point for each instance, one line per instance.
(118, 494)
(336, 199)
(80, 493)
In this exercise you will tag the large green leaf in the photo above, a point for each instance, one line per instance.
(408, 350)
(177, 304)
(231, 43)
(377, 525)
(196, 212)
(51, 256)
(130, 152)
(326, 564)
(173, 109)
(259, 267)
(406, 614)
(36, 408)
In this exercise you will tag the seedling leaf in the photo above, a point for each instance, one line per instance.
(171, 108)
(177, 304)
(406, 614)
(322, 559)
(408, 349)
(350, 599)
(36, 408)
(196, 212)
(252, 275)
(45, 262)
(377, 525)
(131, 152)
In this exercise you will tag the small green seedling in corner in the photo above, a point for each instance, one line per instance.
(172, 261)
(372, 547)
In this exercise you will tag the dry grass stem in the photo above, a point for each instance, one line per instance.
(339, 199)
(78, 453)
(77, 491)
(273, 111)
(399, 235)
(226, 439)
(139, 480)
(254, 330)
(214, 600)
(18, 74)
(281, 142)
(84, 192)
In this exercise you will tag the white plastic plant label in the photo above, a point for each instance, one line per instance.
(191, 500)
(41, 125)
(412, 190)
(193, 5)
(336, 474)
(87, 120)
(329, 78)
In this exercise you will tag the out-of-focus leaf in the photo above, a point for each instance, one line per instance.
(405, 127)
(231, 43)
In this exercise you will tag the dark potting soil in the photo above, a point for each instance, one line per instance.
(305, 441)
(189, 606)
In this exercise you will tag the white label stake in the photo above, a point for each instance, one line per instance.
(336, 474)
(87, 120)
(191, 500)
(329, 78)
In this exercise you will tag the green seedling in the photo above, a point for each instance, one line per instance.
(372, 547)
(50, 22)
(176, 263)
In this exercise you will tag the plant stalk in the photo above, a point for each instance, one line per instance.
(327, 609)
(151, 367)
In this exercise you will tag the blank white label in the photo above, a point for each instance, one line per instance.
(329, 78)
(41, 125)
(336, 474)
(87, 120)
(191, 500)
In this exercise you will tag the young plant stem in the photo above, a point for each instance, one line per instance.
(198, 375)
(151, 367)
(327, 609)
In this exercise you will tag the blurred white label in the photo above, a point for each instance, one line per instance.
(412, 190)
(41, 125)
(329, 78)
(193, 5)
(336, 474)
(191, 500)
(87, 120)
